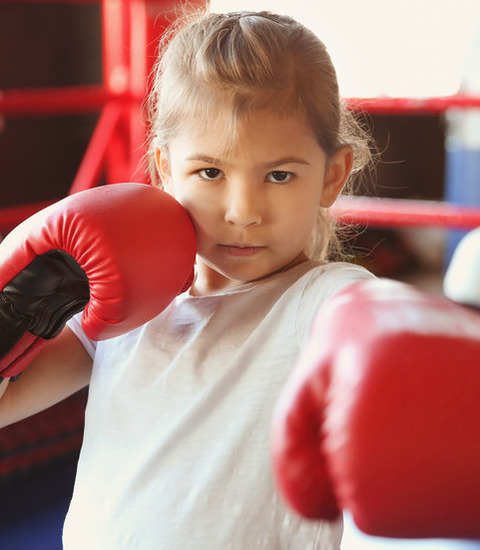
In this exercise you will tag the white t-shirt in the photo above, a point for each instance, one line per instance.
(176, 453)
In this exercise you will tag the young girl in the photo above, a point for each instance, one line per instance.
(248, 133)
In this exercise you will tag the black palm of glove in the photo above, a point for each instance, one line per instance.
(41, 298)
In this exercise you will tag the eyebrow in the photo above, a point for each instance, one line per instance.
(279, 162)
(286, 160)
(204, 158)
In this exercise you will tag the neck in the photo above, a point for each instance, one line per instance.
(209, 281)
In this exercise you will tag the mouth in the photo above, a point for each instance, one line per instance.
(241, 250)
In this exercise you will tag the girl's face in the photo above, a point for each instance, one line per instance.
(254, 204)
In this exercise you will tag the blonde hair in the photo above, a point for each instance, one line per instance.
(244, 61)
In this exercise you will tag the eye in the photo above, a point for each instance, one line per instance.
(210, 174)
(279, 176)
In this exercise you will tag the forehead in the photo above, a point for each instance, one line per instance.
(263, 131)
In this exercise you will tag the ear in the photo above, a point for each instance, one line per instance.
(338, 169)
(163, 167)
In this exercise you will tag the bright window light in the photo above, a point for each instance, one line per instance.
(415, 48)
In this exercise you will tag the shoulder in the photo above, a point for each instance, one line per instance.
(335, 275)
(324, 279)
(313, 282)
(319, 284)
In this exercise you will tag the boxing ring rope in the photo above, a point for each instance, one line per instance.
(78, 99)
(411, 105)
(69, 99)
(377, 212)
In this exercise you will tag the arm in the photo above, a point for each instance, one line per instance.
(62, 368)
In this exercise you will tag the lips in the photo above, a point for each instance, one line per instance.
(241, 249)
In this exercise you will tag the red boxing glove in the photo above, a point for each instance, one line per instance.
(381, 415)
(122, 252)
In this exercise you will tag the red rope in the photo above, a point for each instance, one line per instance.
(412, 105)
(92, 98)
(400, 212)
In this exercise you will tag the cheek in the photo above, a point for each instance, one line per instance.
(301, 209)
(201, 211)
(300, 222)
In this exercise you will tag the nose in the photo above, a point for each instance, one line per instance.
(243, 205)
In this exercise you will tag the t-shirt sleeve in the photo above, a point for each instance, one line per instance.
(325, 281)
(75, 324)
